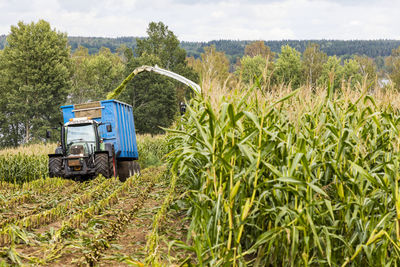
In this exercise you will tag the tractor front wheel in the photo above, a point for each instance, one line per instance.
(55, 166)
(101, 165)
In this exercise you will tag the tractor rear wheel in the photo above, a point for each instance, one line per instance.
(101, 165)
(55, 166)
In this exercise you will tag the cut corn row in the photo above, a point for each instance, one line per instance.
(47, 184)
(124, 217)
(132, 182)
(45, 189)
(55, 213)
(38, 185)
(6, 187)
(36, 188)
(152, 240)
(95, 208)
(17, 200)
(53, 196)
(61, 210)
(138, 187)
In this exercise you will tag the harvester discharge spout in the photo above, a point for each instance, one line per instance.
(158, 70)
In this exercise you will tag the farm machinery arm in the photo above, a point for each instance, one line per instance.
(158, 70)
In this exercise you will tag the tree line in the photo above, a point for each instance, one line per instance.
(235, 48)
(290, 67)
(341, 48)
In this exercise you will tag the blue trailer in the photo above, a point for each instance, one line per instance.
(96, 138)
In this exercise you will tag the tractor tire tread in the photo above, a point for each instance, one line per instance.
(55, 166)
(101, 165)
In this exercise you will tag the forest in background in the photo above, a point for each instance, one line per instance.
(235, 48)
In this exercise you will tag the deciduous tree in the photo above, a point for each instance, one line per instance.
(288, 67)
(152, 96)
(258, 48)
(155, 98)
(36, 68)
(313, 61)
(163, 43)
(95, 75)
(352, 72)
(367, 67)
(213, 66)
(252, 68)
(392, 64)
(332, 72)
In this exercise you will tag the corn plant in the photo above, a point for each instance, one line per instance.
(272, 187)
(151, 150)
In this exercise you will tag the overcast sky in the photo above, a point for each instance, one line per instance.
(204, 20)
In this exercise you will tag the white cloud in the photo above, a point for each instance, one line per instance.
(206, 20)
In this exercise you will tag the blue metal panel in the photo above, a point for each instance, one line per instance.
(67, 112)
(119, 115)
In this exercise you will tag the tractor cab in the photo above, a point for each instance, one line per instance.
(81, 141)
(81, 137)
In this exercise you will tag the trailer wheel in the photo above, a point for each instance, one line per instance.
(112, 163)
(127, 169)
(101, 165)
(55, 166)
(136, 167)
(123, 170)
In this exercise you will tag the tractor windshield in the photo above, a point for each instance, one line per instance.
(80, 134)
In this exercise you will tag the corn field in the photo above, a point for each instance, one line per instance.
(255, 178)
(151, 149)
(305, 178)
